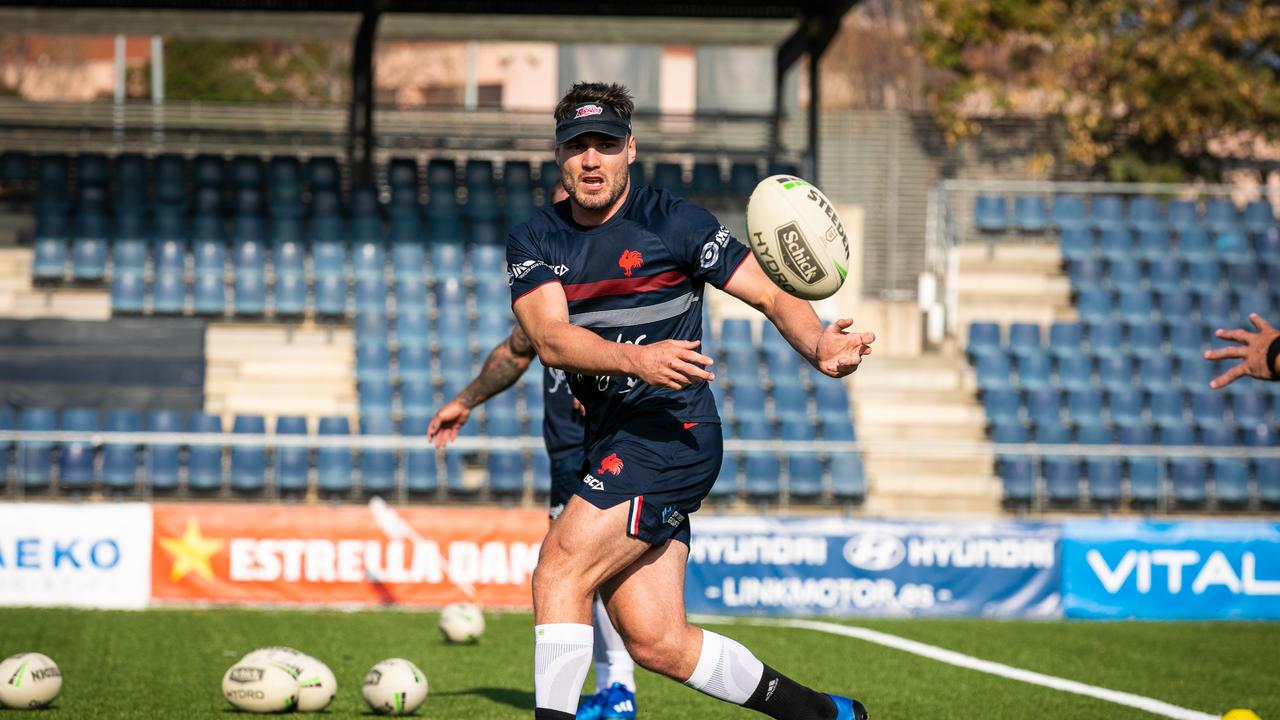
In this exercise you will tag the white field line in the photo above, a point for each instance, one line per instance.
(1146, 704)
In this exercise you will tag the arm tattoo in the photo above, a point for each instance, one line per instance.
(505, 364)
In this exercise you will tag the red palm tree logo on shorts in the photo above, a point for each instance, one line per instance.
(630, 260)
(611, 465)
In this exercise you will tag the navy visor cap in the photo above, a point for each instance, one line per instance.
(592, 118)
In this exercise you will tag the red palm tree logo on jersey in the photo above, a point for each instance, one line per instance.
(630, 260)
(611, 465)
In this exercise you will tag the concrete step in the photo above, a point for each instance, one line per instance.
(1009, 256)
(929, 506)
(955, 395)
(915, 414)
(1024, 283)
(870, 430)
(930, 465)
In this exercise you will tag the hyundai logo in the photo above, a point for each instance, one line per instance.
(874, 552)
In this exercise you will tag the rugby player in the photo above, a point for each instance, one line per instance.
(608, 287)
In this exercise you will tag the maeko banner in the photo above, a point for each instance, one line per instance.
(345, 555)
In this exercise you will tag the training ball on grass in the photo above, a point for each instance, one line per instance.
(1241, 714)
(461, 623)
(261, 686)
(316, 682)
(29, 680)
(797, 237)
(395, 687)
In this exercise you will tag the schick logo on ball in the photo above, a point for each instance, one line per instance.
(798, 256)
(246, 674)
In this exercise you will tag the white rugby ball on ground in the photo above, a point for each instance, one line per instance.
(797, 237)
(316, 682)
(395, 687)
(461, 623)
(261, 686)
(29, 680)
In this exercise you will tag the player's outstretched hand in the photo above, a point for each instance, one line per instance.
(446, 423)
(1252, 352)
(840, 352)
(672, 364)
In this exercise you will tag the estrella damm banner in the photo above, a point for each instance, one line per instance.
(351, 555)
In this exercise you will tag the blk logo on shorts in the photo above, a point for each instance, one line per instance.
(611, 465)
(630, 260)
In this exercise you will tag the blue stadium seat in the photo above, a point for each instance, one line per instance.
(1030, 213)
(129, 245)
(377, 465)
(204, 462)
(1134, 305)
(1075, 372)
(162, 459)
(736, 332)
(447, 262)
(1024, 339)
(488, 262)
(1105, 211)
(1068, 212)
(371, 329)
(1205, 275)
(1116, 243)
(402, 172)
(832, 400)
(322, 173)
(1094, 306)
(993, 371)
(493, 327)
(1155, 373)
(417, 397)
(373, 362)
(1077, 243)
(1243, 275)
(408, 260)
(1193, 244)
(50, 248)
(371, 294)
(1248, 409)
(1017, 475)
(250, 294)
(991, 214)
(707, 182)
(748, 402)
(455, 364)
(1115, 372)
(1221, 216)
(1188, 479)
(15, 167)
(1103, 337)
(292, 463)
(1208, 408)
(1259, 217)
(1266, 470)
(1233, 247)
(763, 471)
(208, 171)
(1154, 244)
(454, 479)
(209, 294)
(334, 465)
(790, 405)
(92, 169)
(727, 483)
(1002, 405)
(413, 329)
(331, 296)
(413, 362)
(1124, 406)
(670, 177)
(290, 296)
(1062, 479)
(120, 460)
(1183, 214)
(1033, 371)
(1104, 476)
(1010, 432)
(128, 292)
(249, 462)
(52, 196)
(89, 247)
(246, 171)
(1050, 430)
(1168, 408)
(1216, 308)
(1231, 481)
(743, 178)
(1174, 307)
(375, 397)
(1146, 339)
(1044, 405)
(1084, 406)
(1065, 339)
(7, 422)
(1145, 213)
(1194, 372)
(76, 459)
(984, 339)
(506, 473)
(1143, 470)
(420, 463)
(369, 260)
(453, 329)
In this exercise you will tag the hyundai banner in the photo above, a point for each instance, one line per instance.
(844, 567)
(1201, 570)
(81, 555)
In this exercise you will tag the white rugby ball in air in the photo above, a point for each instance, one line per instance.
(261, 686)
(29, 680)
(797, 237)
(316, 682)
(461, 623)
(395, 687)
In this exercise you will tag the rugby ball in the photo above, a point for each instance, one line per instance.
(316, 682)
(261, 686)
(797, 237)
(394, 687)
(461, 623)
(29, 680)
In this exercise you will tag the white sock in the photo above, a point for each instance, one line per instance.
(613, 662)
(561, 659)
(726, 670)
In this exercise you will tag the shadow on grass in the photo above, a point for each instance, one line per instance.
(518, 699)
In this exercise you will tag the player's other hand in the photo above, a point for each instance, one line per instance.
(673, 364)
(1252, 352)
(840, 350)
(446, 423)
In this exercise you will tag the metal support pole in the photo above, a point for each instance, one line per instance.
(815, 105)
(157, 90)
(119, 94)
(360, 119)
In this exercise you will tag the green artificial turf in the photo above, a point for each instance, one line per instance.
(169, 664)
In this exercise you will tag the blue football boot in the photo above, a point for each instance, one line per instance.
(592, 706)
(848, 708)
(620, 703)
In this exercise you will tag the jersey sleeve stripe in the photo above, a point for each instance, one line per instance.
(741, 262)
(522, 295)
(624, 286)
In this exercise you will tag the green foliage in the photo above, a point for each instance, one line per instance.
(1147, 89)
(254, 71)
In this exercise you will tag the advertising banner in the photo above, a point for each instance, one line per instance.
(1202, 570)
(96, 556)
(352, 555)
(844, 567)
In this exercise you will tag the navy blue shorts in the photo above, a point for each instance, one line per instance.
(566, 475)
(661, 466)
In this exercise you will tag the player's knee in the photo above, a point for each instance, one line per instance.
(655, 647)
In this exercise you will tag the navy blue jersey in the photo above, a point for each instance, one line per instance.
(638, 278)
(562, 426)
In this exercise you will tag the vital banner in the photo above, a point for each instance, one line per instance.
(843, 567)
(96, 556)
(353, 555)
(1172, 570)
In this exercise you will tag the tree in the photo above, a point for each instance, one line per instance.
(1146, 88)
